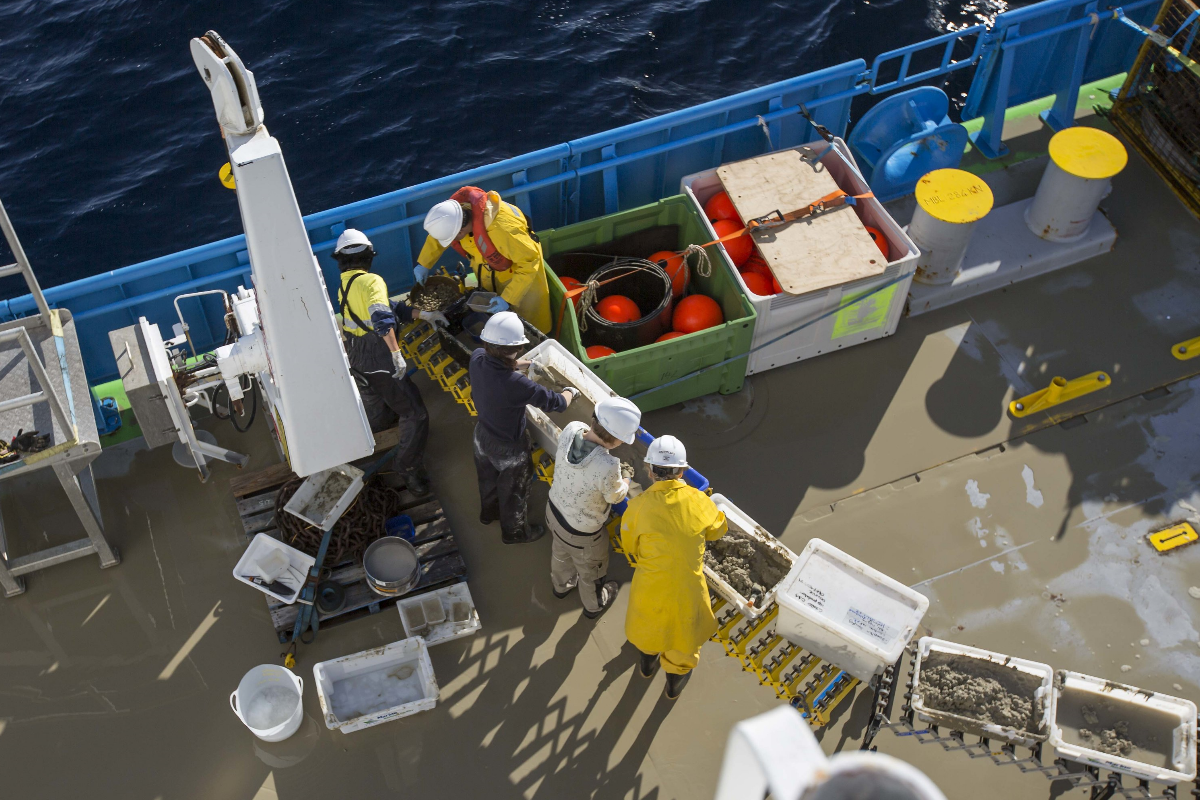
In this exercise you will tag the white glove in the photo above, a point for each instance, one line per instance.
(434, 317)
(399, 363)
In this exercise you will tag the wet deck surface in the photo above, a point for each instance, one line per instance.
(115, 682)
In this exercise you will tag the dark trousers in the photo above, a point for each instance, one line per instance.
(505, 472)
(389, 400)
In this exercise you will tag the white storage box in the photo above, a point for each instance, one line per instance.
(376, 685)
(1037, 674)
(875, 318)
(324, 496)
(458, 617)
(846, 612)
(1161, 728)
(740, 521)
(261, 546)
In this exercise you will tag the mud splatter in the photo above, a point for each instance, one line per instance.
(978, 499)
(1032, 495)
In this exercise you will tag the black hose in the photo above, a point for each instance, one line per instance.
(216, 401)
(253, 395)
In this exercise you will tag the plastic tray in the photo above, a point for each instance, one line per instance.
(846, 612)
(957, 722)
(875, 318)
(740, 521)
(300, 562)
(449, 629)
(408, 652)
(1180, 714)
(479, 300)
(298, 505)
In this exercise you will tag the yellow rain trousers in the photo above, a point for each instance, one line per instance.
(524, 285)
(665, 529)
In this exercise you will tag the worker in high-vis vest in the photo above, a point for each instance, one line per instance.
(504, 251)
(664, 530)
(369, 335)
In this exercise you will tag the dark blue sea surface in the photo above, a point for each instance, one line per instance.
(109, 147)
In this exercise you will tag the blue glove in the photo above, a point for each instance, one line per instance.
(420, 274)
(497, 304)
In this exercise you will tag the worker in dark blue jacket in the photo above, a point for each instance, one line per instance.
(502, 452)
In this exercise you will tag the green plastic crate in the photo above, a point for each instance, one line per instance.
(653, 365)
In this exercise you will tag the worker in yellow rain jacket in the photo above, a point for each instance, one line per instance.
(503, 249)
(664, 529)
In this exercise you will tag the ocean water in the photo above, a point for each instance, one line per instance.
(109, 147)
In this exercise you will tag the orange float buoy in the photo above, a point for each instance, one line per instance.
(670, 335)
(758, 265)
(719, 206)
(695, 313)
(880, 240)
(741, 248)
(758, 283)
(618, 308)
(676, 270)
(570, 284)
(600, 351)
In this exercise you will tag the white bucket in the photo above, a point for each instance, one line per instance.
(270, 701)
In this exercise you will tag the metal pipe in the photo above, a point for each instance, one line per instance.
(1104, 16)
(202, 293)
(160, 293)
(21, 402)
(19, 253)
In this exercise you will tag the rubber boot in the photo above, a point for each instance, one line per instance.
(608, 593)
(647, 664)
(531, 534)
(675, 684)
(417, 482)
(570, 588)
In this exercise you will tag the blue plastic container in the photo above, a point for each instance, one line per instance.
(401, 526)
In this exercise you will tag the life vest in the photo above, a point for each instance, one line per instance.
(477, 197)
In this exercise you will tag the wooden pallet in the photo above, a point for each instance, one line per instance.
(441, 563)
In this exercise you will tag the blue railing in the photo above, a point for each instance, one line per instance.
(629, 166)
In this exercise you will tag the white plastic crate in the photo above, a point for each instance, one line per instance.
(740, 521)
(1042, 672)
(376, 685)
(447, 628)
(877, 317)
(846, 612)
(314, 503)
(1170, 720)
(299, 563)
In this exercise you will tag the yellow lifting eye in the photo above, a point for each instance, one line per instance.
(1174, 536)
(226, 176)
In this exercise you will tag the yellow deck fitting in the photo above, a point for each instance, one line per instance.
(1185, 350)
(954, 195)
(1174, 536)
(1088, 153)
(1059, 391)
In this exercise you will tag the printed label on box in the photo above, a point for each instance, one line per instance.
(871, 627)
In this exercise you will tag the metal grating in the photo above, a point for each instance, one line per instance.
(1159, 106)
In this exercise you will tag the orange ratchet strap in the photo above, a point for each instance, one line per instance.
(777, 218)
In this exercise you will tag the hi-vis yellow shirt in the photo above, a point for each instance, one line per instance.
(524, 285)
(368, 298)
(665, 529)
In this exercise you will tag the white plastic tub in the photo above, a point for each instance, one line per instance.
(269, 701)
(741, 522)
(453, 601)
(376, 685)
(846, 612)
(314, 503)
(1043, 673)
(261, 545)
(1171, 721)
(783, 312)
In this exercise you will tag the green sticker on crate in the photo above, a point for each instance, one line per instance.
(865, 315)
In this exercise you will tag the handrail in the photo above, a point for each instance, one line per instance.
(1092, 18)
(905, 54)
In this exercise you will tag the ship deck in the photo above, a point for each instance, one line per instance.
(1028, 537)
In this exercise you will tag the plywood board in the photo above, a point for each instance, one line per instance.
(810, 254)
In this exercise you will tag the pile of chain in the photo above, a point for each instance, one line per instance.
(361, 524)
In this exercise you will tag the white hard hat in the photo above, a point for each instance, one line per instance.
(444, 221)
(504, 329)
(620, 417)
(352, 241)
(666, 451)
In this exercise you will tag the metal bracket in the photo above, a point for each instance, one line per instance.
(1059, 391)
(1185, 350)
